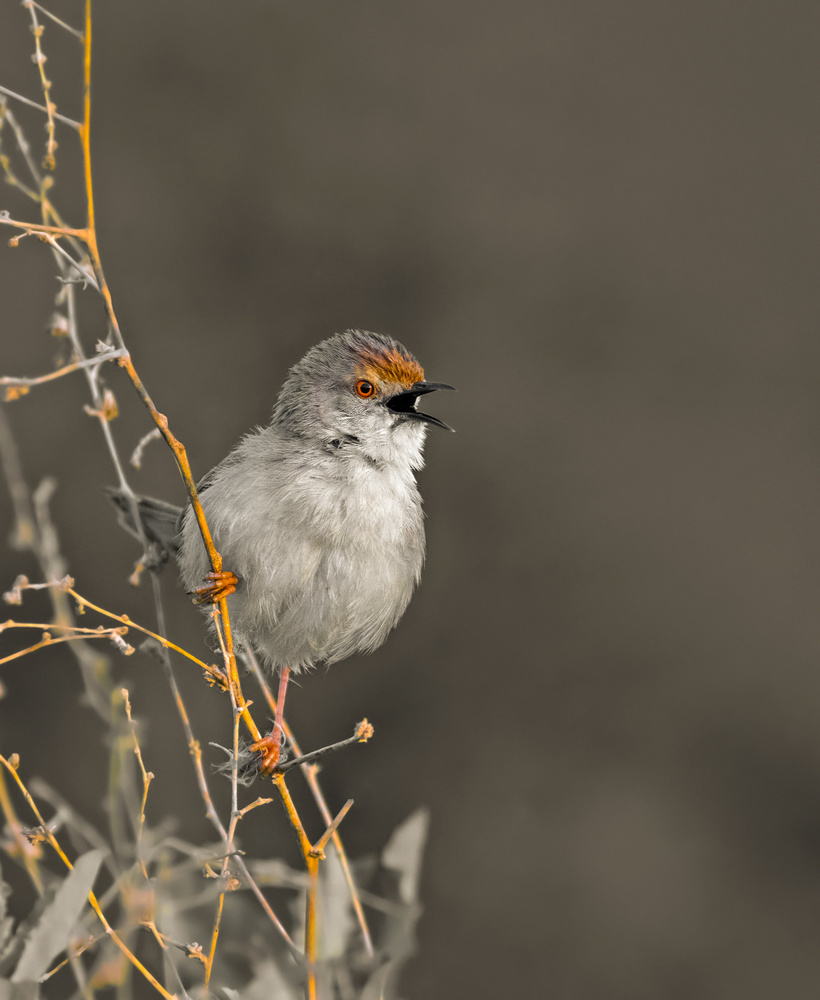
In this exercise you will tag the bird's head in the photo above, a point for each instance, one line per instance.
(359, 388)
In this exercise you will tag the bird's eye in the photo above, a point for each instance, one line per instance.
(364, 388)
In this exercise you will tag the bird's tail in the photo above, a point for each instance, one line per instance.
(161, 522)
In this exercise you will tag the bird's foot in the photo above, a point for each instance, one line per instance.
(269, 749)
(220, 585)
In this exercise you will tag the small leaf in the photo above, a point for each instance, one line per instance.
(53, 931)
(403, 852)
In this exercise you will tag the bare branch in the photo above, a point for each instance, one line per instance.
(33, 104)
(144, 441)
(84, 270)
(21, 381)
(36, 227)
(49, 163)
(362, 734)
(55, 19)
(322, 842)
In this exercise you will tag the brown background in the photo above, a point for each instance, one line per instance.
(600, 221)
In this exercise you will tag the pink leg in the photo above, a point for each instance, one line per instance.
(270, 746)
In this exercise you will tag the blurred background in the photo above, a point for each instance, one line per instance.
(600, 222)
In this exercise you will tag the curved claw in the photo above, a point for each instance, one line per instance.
(221, 585)
(269, 748)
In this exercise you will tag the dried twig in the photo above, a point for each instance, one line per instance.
(33, 104)
(147, 777)
(69, 633)
(19, 381)
(139, 451)
(322, 842)
(55, 19)
(50, 162)
(362, 734)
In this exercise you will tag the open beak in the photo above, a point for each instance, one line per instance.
(406, 402)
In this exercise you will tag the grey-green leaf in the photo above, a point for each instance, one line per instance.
(53, 931)
(403, 853)
(18, 991)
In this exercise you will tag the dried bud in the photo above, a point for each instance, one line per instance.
(58, 325)
(364, 731)
(118, 641)
(194, 950)
(109, 409)
(15, 595)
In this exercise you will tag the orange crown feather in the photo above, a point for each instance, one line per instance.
(390, 365)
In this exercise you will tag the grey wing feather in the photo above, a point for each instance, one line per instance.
(161, 522)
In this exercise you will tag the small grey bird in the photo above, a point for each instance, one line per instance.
(317, 516)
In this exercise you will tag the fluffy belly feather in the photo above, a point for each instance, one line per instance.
(347, 604)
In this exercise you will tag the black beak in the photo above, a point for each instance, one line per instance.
(406, 402)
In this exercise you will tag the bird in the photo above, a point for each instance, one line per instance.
(317, 516)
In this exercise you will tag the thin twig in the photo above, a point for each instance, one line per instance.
(29, 852)
(322, 842)
(13, 179)
(55, 19)
(362, 734)
(22, 143)
(19, 380)
(235, 817)
(254, 805)
(147, 777)
(49, 640)
(75, 952)
(75, 631)
(36, 227)
(49, 163)
(33, 104)
(136, 456)
(86, 275)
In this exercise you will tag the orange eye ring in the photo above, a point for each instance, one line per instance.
(364, 388)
